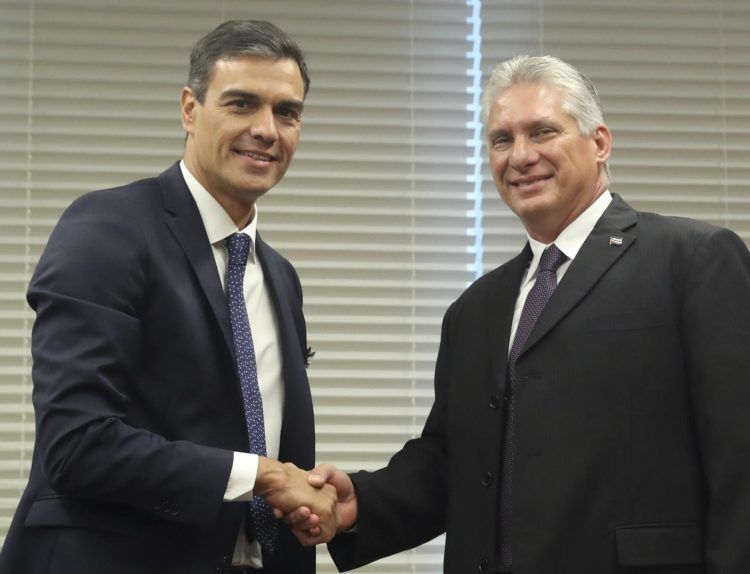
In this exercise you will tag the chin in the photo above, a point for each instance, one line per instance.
(255, 186)
(530, 206)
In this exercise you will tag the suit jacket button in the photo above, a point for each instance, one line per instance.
(222, 565)
(487, 479)
(494, 401)
(483, 565)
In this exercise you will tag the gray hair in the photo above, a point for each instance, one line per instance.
(236, 38)
(579, 97)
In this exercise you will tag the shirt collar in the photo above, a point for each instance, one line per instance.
(571, 238)
(216, 220)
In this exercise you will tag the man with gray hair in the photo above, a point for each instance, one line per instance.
(170, 348)
(591, 394)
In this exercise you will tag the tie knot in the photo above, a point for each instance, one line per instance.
(552, 258)
(238, 246)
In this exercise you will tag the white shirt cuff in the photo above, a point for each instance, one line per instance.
(242, 478)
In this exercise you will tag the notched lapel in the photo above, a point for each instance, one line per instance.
(297, 431)
(277, 285)
(184, 221)
(503, 295)
(608, 241)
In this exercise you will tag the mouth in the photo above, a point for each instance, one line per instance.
(531, 182)
(257, 156)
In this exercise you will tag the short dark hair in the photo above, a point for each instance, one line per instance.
(236, 38)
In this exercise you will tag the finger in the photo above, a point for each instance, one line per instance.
(309, 538)
(312, 522)
(314, 532)
(297, 516)
(302, 520)
(320, 474)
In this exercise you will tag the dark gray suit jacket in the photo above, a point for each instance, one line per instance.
(138, 406)
(632, 435)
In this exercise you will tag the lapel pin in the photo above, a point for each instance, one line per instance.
(614, 240)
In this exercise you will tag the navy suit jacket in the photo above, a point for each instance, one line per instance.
(138, 406)
(632, 442)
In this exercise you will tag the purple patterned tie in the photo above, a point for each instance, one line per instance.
(260, 517)
(546, 281)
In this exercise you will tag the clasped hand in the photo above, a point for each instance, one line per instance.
(317, 505)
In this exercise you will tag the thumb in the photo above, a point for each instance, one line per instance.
(320, 475)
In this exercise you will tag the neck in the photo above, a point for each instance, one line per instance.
(546, 230)
(240, 210)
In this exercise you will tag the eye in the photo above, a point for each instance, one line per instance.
(240, 105)
(289, 113)
(501, 142)
(544, 132)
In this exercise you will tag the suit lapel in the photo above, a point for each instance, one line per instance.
(184, 220)
(599, 252)
(277, 285)
(500, 306)
(297, 431)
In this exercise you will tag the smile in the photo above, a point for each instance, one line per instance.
(530, 182)
(257, 156)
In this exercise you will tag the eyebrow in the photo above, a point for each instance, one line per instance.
(498, 132)
(532, 125)
(253, 97)
(245, 95)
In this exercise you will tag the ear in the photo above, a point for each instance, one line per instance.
(602, 138)
(189, 105)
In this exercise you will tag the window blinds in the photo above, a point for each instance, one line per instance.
(376, 211)
(674, 80)
(381, 209)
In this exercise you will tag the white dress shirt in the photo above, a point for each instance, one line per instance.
(265, 332)
(569, 241)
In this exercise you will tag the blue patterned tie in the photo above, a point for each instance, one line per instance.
(546, 281)
(261, 516)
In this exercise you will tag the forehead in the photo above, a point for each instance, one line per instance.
(257, 73)
(523, 103)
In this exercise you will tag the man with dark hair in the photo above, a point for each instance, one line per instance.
(170, 346)
(241, 38)
(591, 394)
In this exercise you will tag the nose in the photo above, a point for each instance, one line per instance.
(523, 154)
(263, 125)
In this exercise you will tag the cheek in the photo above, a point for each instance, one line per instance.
(224, 143)
(497, 166)
(290, 141)
(506, 198)
(498, 180)
(502, 189)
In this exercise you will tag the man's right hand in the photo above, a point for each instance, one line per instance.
(287, 488)
(311, 528)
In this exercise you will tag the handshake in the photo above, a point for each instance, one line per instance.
(317, 504)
